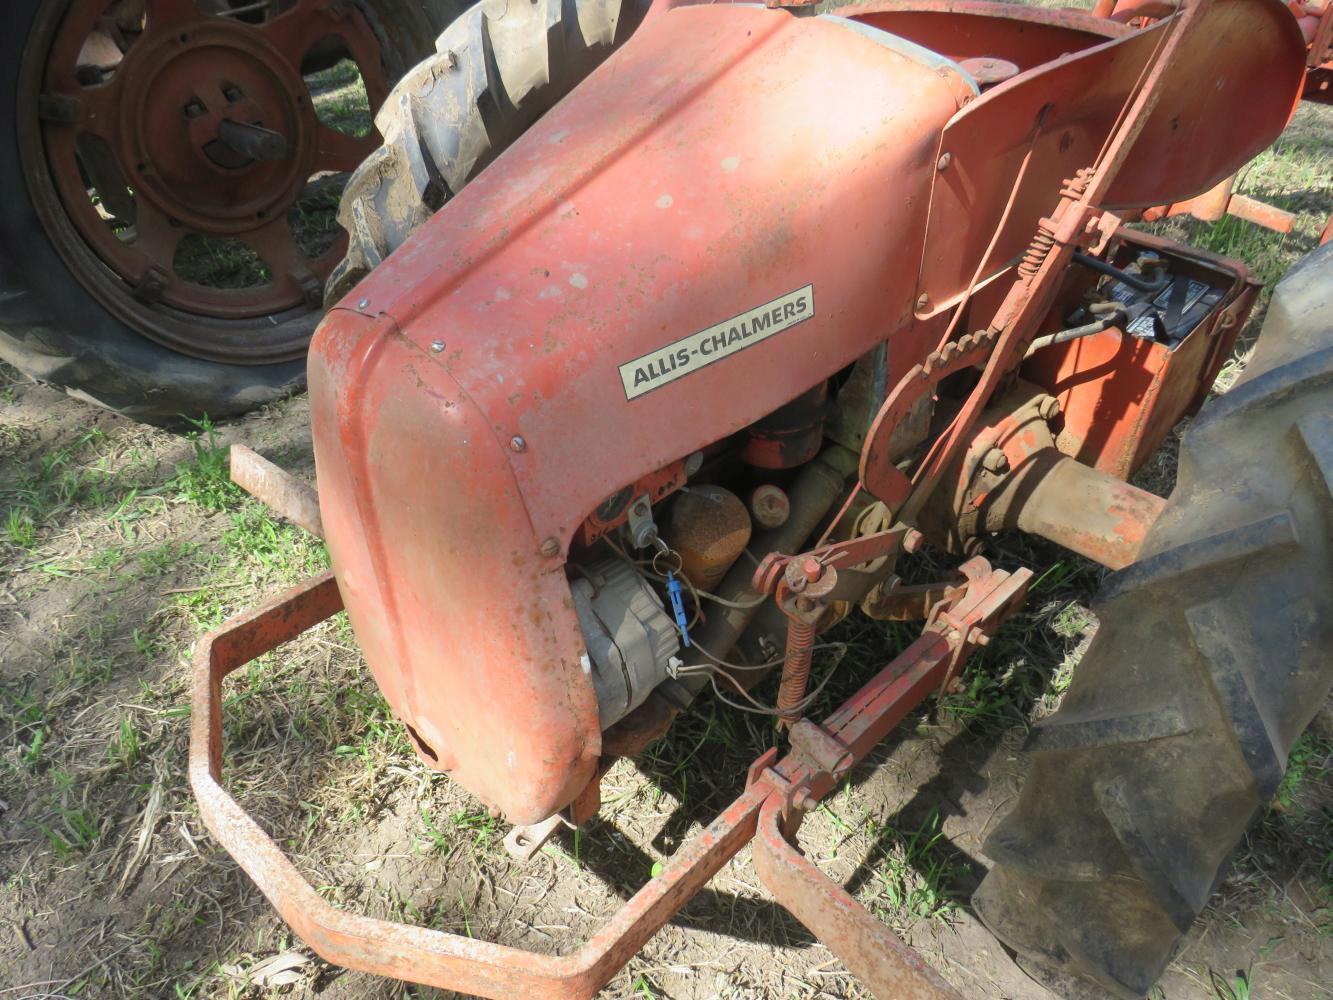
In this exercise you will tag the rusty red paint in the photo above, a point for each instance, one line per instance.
(1183, 147)
(1220, 200)
(791, 435)
(978, 29)
(1012, 476)
(1086, 511)
(1319, 59)
(460, 580)
(401, 429)
(614, 510)
(450, 961)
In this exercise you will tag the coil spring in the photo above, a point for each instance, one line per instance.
(795, 669)
(1035, 255)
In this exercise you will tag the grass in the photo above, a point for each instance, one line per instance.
(341, 101)
(1312, 754)
(918, 881)
(205, 478)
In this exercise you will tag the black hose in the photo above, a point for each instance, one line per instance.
(1110, 270)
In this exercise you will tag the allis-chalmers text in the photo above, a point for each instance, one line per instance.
(698, 350)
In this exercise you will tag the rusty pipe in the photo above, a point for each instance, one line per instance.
(816, 489)
(1086, 511)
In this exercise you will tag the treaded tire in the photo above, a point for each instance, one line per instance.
(54, 330)
(1211, 658)
(498, 68)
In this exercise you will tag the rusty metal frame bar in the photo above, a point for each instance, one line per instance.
(820, 757)
(277, 488)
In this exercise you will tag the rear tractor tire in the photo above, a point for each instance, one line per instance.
(498, 69)
(147, 263)
(1211, 658)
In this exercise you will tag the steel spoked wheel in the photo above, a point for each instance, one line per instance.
(178, 163)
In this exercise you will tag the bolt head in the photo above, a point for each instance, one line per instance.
(812, 568)
(1049, 408)
(516, 443)
(436, 346)
(995, 461)
(922, 302)
(912, 541)
(943, 162)
(363, 303)
(550, 548)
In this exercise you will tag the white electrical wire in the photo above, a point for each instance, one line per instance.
(719, 666)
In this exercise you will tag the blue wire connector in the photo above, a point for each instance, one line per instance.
(678, 606)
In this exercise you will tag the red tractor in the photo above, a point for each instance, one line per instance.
(770, 299)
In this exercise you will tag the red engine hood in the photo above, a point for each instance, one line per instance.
(729, 210)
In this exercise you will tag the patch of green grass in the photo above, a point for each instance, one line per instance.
(983, 696)
(369, 728)
(220, 262)
(32, 753)
(1238, 988)
(76, 830)
(19, 529)
(56, 484)
(147, 644)
(107, 559)
(1059, 576)
(477, 824)
(435, 838)
(204, 606)
(25, 719)
(1311, 754)
(916, 878)
(83, 670)
(163, 558)
(124, 746)
(341, 101)
(205, 479)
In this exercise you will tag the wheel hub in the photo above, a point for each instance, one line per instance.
(180, 94)
(161, 122)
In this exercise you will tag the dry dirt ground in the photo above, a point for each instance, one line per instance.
(120, 544)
